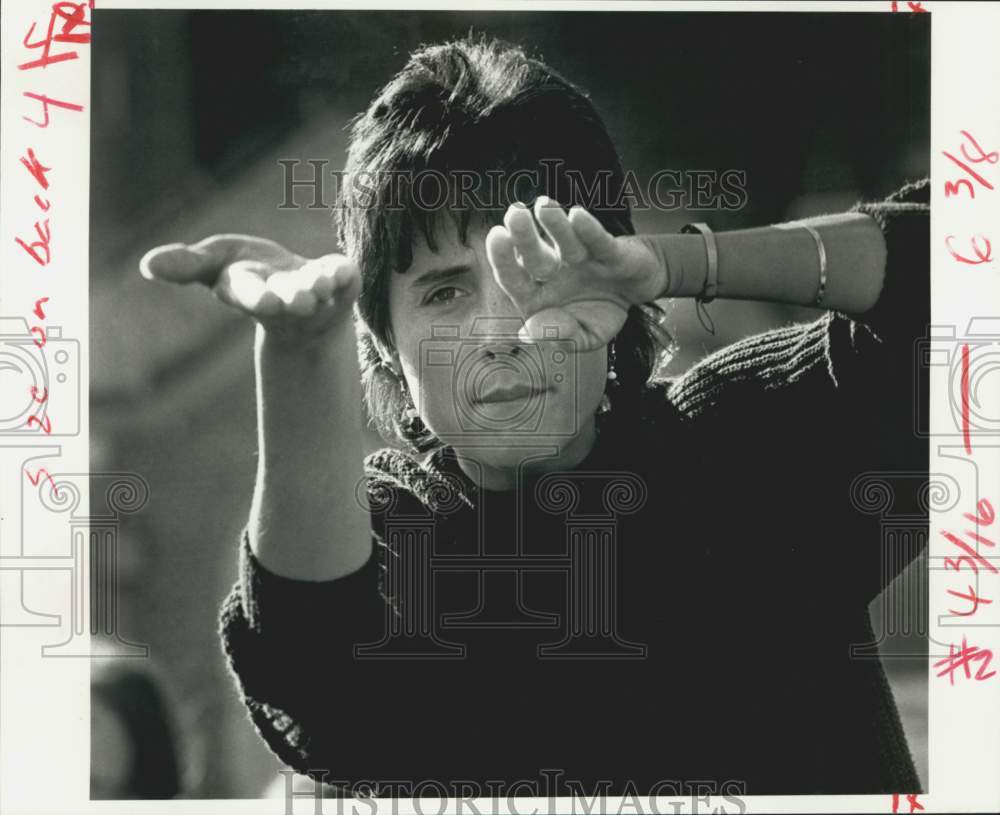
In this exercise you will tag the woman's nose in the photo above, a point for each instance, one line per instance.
(498, 350)
(498, 325)
(496, 303)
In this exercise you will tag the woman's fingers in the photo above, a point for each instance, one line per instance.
(551, 216)
(597, 240)
(204, 261)
(509, 274)
(258, 276)
(178, 263)
(538, 258)
(296, 298)
(331, 280)
(319, 279)
(242, 285)
(337, 279)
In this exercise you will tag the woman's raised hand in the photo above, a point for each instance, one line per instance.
(581, 282)
(295, 299)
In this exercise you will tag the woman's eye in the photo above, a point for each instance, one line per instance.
(443, 295)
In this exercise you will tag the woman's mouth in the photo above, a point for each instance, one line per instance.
(506, 392)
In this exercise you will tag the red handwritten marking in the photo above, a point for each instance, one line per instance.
(34, 479)
(46, 101)
(38, 311)
(45, 423)
(986, 514)
(984, 256)
(962, 658)
(36, 168)
(70, 22)
(980, 539)
(951, 188)
(42, 243)
(971, 556)
(990, 158)
(954, 187)
(972, 597)
(43, 207)
(970, 171)
(911, 799)
(966, 435)
(34, 394)
(41, 332)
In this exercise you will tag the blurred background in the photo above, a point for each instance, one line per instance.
(191, 113)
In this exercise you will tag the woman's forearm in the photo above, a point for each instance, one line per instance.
(306, 521)
(781, 265)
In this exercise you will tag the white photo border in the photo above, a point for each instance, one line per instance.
(44, 702)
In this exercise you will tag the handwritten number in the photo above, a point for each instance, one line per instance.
(45, 423)
(986, 514)
(951, 188)
(969, 171)
(962, 658)
(989, 158)
(974, 557)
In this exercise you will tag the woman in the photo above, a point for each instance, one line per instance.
(579, 572)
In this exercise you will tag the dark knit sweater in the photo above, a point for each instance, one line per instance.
(733, 524)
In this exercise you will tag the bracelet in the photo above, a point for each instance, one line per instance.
(711, 286)
(821, 254)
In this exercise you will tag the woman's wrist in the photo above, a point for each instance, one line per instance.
(683, 262)
(781, 264)
(304, 350)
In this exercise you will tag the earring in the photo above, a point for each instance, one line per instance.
(411, 422)
(613, 383)
(612, 359)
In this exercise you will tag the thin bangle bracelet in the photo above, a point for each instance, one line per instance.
(821, 255)
(711, 287)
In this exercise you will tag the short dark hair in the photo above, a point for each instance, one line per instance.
(481, 107)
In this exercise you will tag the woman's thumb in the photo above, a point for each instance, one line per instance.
(180, 263)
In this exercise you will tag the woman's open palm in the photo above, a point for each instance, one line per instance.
(578, 285)
(294, 298)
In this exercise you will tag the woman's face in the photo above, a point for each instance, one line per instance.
(497, 400)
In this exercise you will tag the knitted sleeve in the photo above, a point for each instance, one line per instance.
(289, 646)
(822, 409)
(836, 345)
(305, 654)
